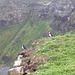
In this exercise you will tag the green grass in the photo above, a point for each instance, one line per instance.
(61, 53)
(6, 35)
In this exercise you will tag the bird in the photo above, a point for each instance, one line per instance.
(23, 47)
(49, 34)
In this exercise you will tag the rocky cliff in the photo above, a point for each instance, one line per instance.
(62, 13)
(27, 62)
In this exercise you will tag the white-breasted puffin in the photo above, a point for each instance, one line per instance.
(23, 47)
(49, 34)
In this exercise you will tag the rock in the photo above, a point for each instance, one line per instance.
(26, 52)
(29, 66)
(8, 17)
(12, 12)
(16, 71)
(23, 66)
(23, 52)
(60, 7)
(18, 62)
(57, 8)
(19, 57)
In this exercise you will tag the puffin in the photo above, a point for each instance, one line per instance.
(49, 34)
(23, 47)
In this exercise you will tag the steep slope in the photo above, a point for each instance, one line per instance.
(25, 34)
(33, 19)
(61, 54)
(6, 36)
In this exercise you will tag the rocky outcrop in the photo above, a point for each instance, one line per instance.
(60, 7)
(18, 62)
(17, 67)
(12, 12)
(16, 71)
(27, 62)
(29, 66)
(9, 14)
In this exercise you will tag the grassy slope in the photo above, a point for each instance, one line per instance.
(10, 47)
(61, 53)
(6, 35)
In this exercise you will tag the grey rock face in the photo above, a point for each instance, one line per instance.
(63, 13)
(12, 12)
(60, 7)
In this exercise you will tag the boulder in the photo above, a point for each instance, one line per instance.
(16, 71)
(18, 62)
